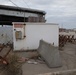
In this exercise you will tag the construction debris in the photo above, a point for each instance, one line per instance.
(63, 39)
(4, 53)
(3, 61)
(49, 54)
(32, 62)
(23, 59)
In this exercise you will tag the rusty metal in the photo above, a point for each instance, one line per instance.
(63, 39)
(3, 59)
(1, 47)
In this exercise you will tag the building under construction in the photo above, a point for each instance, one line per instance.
(9, 14)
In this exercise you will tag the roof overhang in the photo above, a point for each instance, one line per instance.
(22, 9)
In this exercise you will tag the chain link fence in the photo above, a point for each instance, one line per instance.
(6, 35)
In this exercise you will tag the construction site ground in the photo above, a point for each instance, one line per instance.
(68, 56)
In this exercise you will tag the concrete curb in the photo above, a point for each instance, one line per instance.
(66, 72)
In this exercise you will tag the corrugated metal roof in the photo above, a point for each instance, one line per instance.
(22, 9)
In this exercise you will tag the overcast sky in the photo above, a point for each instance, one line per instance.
(62, 12)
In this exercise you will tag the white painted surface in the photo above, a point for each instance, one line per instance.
(34, 33)
(6, 35)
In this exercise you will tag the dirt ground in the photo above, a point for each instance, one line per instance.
(68, 55)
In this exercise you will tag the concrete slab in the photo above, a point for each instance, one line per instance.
(50, 54)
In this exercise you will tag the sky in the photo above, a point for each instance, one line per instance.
(62, 12)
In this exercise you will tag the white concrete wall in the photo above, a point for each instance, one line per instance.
(6, 35)
(34, 33)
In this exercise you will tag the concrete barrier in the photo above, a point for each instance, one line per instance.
(50, 54)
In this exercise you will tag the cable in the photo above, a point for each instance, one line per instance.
(18, 7)
(26, 3)
(13, 3)
(24, 13)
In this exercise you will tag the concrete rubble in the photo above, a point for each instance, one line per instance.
(22, 59)
(50, 54)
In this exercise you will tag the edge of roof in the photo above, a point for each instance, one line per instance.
(32, 23)
(22, 9)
